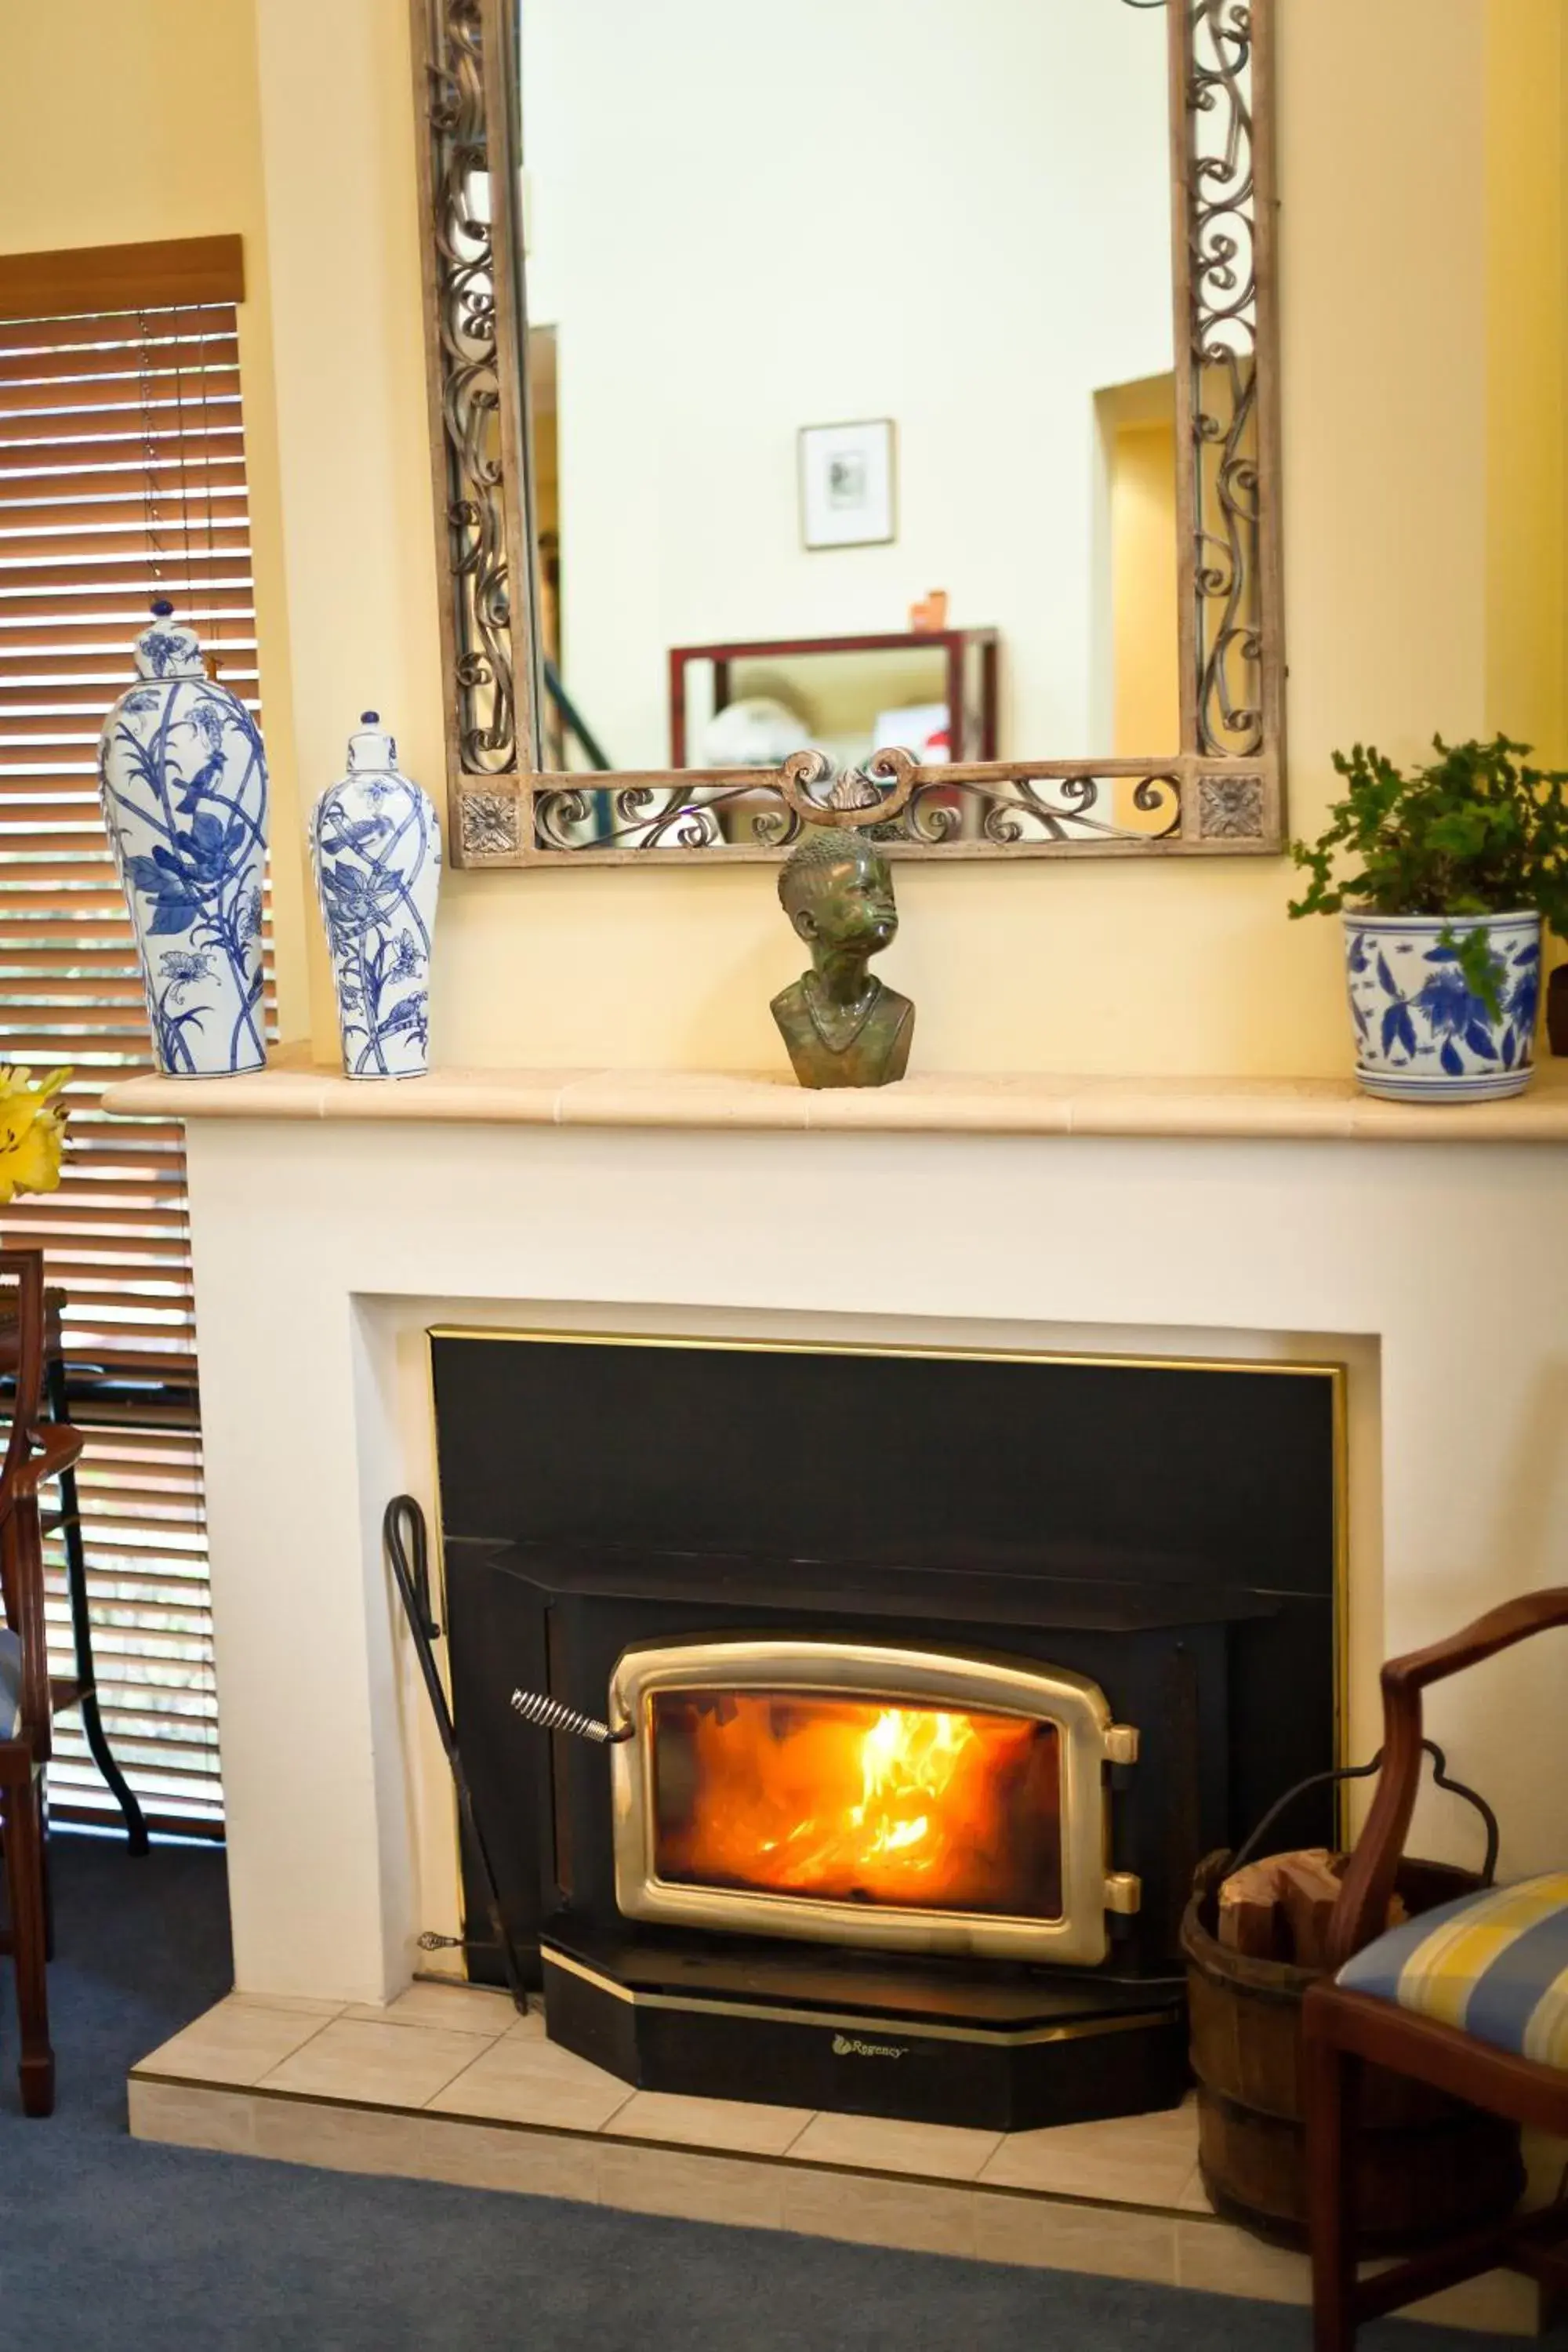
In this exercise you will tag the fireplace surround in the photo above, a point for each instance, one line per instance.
(1236, 1221)
(930, 1676)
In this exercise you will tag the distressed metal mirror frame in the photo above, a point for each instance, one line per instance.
(1220, 791)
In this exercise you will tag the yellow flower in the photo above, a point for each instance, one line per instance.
(32, 1132)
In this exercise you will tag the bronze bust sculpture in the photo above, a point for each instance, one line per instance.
(843, 1026)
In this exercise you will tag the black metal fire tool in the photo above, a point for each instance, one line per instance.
(403, 1535)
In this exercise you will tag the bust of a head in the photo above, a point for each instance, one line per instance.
(842, 1025)
(837, 891)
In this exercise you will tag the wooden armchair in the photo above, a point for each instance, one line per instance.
(1471, 1998)
(34, 1451)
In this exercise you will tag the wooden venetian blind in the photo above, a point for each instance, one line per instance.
(121, 477)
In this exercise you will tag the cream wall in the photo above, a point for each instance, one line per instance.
(1408, 605)
(136, 120)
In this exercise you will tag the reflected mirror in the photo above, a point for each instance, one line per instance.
(870, 447)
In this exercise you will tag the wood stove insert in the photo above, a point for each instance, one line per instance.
(928, 1741)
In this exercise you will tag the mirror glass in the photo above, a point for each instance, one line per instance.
(850, 363)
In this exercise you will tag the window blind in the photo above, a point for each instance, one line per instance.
(122, 477)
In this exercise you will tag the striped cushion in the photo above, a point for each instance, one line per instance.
(10, 1685)
(1494, 1964)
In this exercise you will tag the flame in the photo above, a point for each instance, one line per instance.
(857, 1799)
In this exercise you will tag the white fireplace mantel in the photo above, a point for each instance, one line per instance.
(1027, 1103)
(334, 1222)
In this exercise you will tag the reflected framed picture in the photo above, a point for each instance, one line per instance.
(846, 484)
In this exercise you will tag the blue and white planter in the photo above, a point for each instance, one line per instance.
(375, 847)
(183, 780)
(1422, 1036)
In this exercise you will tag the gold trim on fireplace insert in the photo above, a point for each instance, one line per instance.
(953, 1679)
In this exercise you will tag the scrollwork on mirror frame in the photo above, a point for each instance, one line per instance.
(1228, 232)
(476, 412)
(1221, 793)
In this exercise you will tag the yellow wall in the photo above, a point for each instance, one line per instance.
(140, 121)
(1526, 316)
(1413, 480)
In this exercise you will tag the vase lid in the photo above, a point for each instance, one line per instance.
(167, 648)
(370, 747)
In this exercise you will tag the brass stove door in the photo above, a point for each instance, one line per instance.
(917, 1799)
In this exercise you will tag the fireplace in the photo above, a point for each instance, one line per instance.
(930, 1676)
(851, 1794)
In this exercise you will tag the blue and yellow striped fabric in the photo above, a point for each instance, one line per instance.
(1493, 1964)
(10, 1685)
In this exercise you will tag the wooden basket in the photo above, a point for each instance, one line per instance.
(1429, 2167)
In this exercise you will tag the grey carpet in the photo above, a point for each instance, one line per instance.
(107, 2245)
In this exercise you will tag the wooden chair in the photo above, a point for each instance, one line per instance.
(34, 1451)
(1488, 1959)
(66, 1524)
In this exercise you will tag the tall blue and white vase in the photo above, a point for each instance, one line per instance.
(375, 847)
(1423, 1033)
(183, 779)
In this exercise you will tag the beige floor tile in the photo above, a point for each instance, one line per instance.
(235, 2042)
(303, 2004)
(525, 2079)
(529, 2028)
(695, 2187)
(1048, 2236)
(1499, 2302)
(1129, 2160)
(1224, 2260)
(1194, 2198)
(224, 2120)
(340, 2139)
(472, 2155)
(389, 2065)
(941, 2151)
(453, 2009)
(733, 2124)
(1546, 2165)
(927, 2217)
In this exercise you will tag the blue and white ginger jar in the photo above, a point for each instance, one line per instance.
(1422, 1033)
(375, 847)
(183, 780)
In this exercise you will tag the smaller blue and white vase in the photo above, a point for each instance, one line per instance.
(1422, 1033)
(182, 782)
(376, 847)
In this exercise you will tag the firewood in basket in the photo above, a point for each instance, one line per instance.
(1251, 1915)
(1280, 1908)
(1309, 1889)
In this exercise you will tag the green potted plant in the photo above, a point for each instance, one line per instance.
(1443, 877)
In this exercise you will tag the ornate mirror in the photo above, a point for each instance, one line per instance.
(866, 405)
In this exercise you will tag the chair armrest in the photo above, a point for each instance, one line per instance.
(56, 1447)
(1361, 1911)
(1499, 1629)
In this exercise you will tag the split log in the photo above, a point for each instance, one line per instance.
(1280, 1908)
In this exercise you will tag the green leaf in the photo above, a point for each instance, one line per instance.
(1476, 831)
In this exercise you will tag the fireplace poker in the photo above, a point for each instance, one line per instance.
(403, 1534)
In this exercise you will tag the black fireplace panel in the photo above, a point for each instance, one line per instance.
(1166, 1530)
(825, 1454)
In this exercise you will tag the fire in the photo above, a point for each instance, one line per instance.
(858, 1800)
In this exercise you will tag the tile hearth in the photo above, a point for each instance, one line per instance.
(449, 2083)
